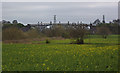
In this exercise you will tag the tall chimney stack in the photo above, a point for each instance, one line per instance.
(54, 19)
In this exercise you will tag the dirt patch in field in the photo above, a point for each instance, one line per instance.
(29, 41)
(57, 38)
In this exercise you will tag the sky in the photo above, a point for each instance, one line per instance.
(60, 0)
(34, 12)
(119, 10)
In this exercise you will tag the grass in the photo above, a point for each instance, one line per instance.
(97, 54)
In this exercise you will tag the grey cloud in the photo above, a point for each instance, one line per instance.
(32, 12)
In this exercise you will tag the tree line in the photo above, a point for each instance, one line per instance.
(15, 31)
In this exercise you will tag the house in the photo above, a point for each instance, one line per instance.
(96, 22)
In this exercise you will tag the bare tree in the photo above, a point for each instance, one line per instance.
(104, 31)
(78, 32)
(55, 31)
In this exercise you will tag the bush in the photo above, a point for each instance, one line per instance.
(77, 41)
(12, 33)
(33, 33)
(103, 31)
(47, 41)
(78, 33)
(56, 31)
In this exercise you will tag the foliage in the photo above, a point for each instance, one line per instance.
(56, 31)
(104, 31)
(78, 32)
(12, 33)
(47, 41)
(18, 25)
(32, 33)
(113, 27)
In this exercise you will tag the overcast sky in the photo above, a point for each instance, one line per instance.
(60, 0)
(32, 12)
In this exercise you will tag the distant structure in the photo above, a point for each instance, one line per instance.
(59, 22)
(118, 20)
(38, 23)
(103, 19)
(5, 22)
(41, 23)
(14, 21)
(91, 26)
(68, 22)
(50, 22)
(54, 19)
(96, 22)
(119, 10)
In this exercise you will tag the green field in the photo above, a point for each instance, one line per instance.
(97, 54)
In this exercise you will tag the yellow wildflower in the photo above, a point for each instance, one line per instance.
(43, 64)
(47, 68)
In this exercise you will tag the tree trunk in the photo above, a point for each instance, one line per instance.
(80, 41)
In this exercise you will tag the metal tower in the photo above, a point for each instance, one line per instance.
(38, 23)
(54, 19)
(103, 19)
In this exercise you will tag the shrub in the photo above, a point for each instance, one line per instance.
(33, 33)
(56, 31)
(103, 31)
(47, 41)
(78, 33)
(12, 33)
